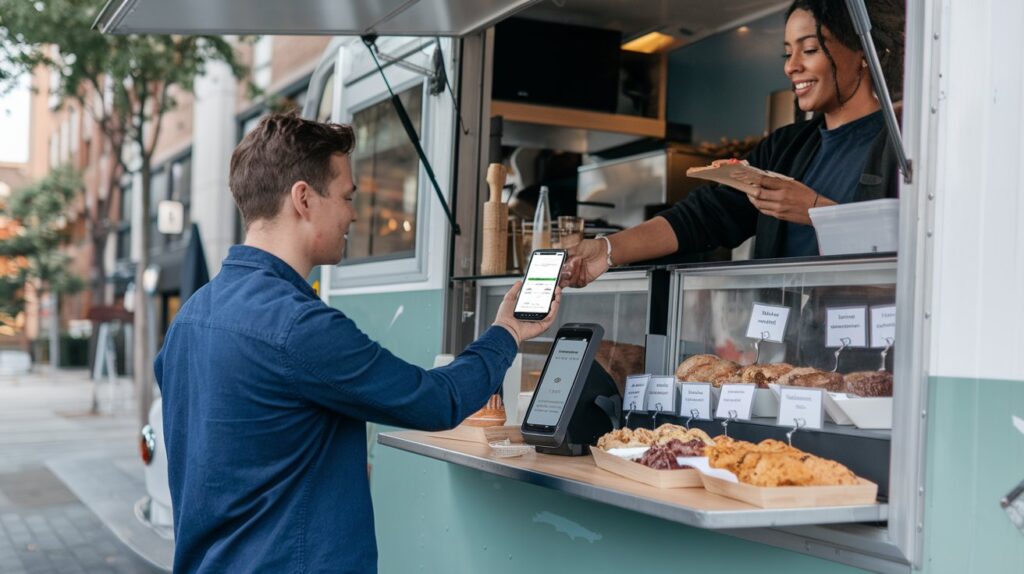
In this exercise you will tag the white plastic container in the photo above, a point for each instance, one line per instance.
(861, 227)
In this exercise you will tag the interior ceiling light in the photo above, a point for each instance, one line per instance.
(652, 43)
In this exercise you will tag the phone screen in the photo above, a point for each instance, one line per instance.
(555, 384)
(541, 280)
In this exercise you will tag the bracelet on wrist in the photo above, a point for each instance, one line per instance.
(608, 254)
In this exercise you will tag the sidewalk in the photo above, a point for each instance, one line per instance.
(68, 478)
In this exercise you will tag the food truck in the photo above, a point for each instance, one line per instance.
(545, 89)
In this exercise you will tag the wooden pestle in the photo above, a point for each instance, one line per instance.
(495, 241)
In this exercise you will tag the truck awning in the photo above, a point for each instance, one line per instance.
(315, 17)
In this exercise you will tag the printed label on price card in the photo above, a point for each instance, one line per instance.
(696, 397)
(736, 398)
(768, 322)
(846, 325)
(636, 391)
(661, 394)
(883, 326)
(801, 403)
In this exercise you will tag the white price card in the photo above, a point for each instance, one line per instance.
(661, 394)
(883, 326)
(696, 401)
(636, 391)
(801, 403)
(846, 325)
(737, 398)
(768, 322)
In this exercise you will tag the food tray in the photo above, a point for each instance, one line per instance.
(867, 412)
(482, 435)
(506, 449)
(866, 492)
(680, 478)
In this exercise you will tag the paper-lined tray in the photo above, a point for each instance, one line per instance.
(679, 478)
(865, 412)
(865, 492)
(483, 435)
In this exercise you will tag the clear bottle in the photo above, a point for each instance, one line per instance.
(542, 221)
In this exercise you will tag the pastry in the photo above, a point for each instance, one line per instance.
(620, 360)
(668, 432)
(686, 367)
(624, 438)
(492, 415)
(868, 383)
(775, 463)
(705, 369)
(763, 374)
(808, 377)
(663, 456)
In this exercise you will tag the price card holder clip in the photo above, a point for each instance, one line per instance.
(885, 352)
(845, 342)
(654, 418)
(629, 411)
(757, 346)
(733, 415)
(800, 423)
(694, 414)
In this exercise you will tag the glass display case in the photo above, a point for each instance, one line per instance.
(824, 310)
(619, 301)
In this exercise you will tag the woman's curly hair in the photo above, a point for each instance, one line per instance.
(888, 33)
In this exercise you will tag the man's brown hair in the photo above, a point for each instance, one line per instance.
(281, 150)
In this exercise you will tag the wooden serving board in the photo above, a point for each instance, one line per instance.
(794, 496)
(680, 478)
(482, 435)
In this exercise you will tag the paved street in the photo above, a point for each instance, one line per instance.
(52, 453)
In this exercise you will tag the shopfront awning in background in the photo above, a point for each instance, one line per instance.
(325, 17)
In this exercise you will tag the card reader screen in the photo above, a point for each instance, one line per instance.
(554, 387)
(539, 286)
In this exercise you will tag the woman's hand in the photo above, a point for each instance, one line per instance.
(787, 199)
(588, 259)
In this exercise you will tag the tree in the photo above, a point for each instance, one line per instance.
(126, 84)
(38, 213)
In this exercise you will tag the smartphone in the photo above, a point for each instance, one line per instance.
(538, 290)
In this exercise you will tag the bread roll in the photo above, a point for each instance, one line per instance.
(868, 383)
(762, 375)
(689, 365)
(813, 378)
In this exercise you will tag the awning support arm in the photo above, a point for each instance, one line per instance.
(862, 23)
(410, 131)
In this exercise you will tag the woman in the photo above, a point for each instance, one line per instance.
(840, 156)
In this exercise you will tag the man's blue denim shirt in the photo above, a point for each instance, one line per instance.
(266, 391)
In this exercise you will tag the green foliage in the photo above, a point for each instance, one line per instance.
(39, 210)
(139, 68)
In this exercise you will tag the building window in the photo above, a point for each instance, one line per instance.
(386, 170)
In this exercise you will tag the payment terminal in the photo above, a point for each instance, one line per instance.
(575, 401)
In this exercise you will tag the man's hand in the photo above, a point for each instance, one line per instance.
(786, 199)
(523, 330)
(588, 260)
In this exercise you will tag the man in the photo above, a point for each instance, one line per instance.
(266, 389)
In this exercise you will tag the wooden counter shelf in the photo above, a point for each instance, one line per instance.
(579, 476)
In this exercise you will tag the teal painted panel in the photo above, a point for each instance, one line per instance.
(409, 324)
(437, 517)
(974, 458)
